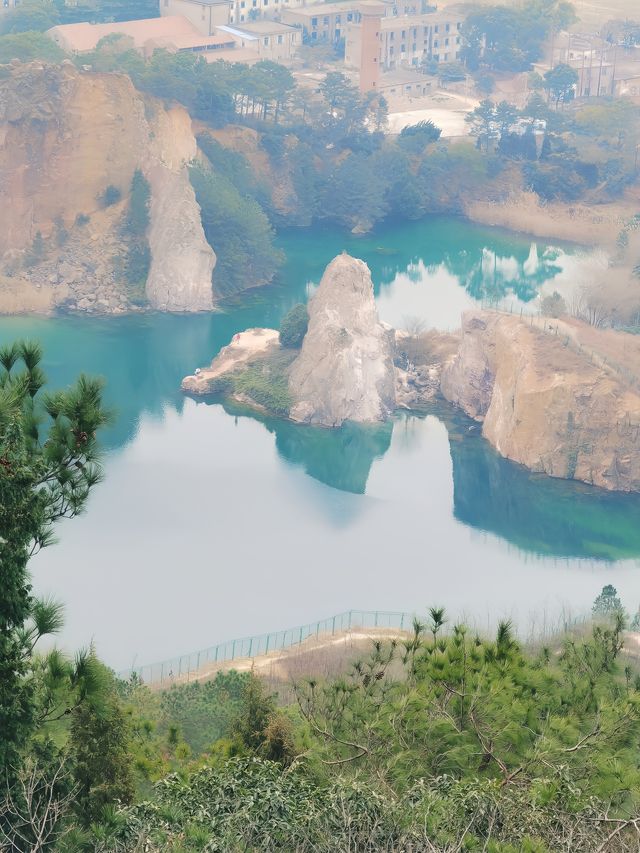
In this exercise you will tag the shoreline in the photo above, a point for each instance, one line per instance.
(590, 226)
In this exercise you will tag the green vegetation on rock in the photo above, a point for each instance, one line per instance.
(238, 231)
(293, 326)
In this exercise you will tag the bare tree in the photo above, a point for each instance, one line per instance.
(32, 809)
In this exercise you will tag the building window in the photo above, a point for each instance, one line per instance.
(265, 2)
(314, 22)
(404, 34)
(403, 49)
(446, 41)
(265, 41)
(446, 57)
(459, 25)
(337, 19)
(350, 16)
(392, 36)
(447, 27)
(457, 39)
(413, 47)
(314, 36)
(391, 51)
(242, 4)
(280, 38)
(436, 29)
(435, 43)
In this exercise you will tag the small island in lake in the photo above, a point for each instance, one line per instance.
(558, 396)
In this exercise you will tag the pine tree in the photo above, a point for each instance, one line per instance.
(48, 465)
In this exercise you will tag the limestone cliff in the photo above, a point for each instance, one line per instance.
(345, 369)
(65, 136)
(561, 397)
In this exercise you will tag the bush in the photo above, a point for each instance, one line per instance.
(294, 326)
(61, 233)
(36, 252)
(266, 388)
(111, 195)
(82, 219)
(138, 215)
(554, 305)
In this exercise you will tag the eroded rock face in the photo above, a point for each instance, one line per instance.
(345, 369)
(182, 261)
(65, 136)
(548, 399)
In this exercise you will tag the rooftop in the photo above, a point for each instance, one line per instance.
(402, 77)
(258, 28)
(318, 10)
(170, 31)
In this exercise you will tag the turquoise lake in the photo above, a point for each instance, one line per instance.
(212, 523)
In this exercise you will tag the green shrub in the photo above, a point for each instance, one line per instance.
(36, 253)
(83, 219)
(294, 326)
(138, 214)
(111, 195)
(61, 233)
(266, 387)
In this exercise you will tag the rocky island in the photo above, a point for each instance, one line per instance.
(557, 396)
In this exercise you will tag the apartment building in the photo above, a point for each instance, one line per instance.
(408, 40)
(327, 22)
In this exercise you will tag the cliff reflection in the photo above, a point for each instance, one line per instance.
(536, 513)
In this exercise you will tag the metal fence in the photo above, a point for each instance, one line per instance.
(181, 668)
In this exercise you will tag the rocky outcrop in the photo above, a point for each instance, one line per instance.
(561, 398)
(65, 136)
(345, 369)
(246, 347)
(182, 261)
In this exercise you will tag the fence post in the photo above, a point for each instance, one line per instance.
(198, 661)
(161, 673)
(300, 640)
(233, 651)
(250, 647)
(333, 626)
(350, 615)
(216, 657)
(375, 621)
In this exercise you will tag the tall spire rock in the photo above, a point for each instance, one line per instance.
(345, 369)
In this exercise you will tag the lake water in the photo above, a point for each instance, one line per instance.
(212, 523)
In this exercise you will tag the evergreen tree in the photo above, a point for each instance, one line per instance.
(48, 465)
(101, 760)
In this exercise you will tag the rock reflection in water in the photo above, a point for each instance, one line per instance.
(539, 514)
